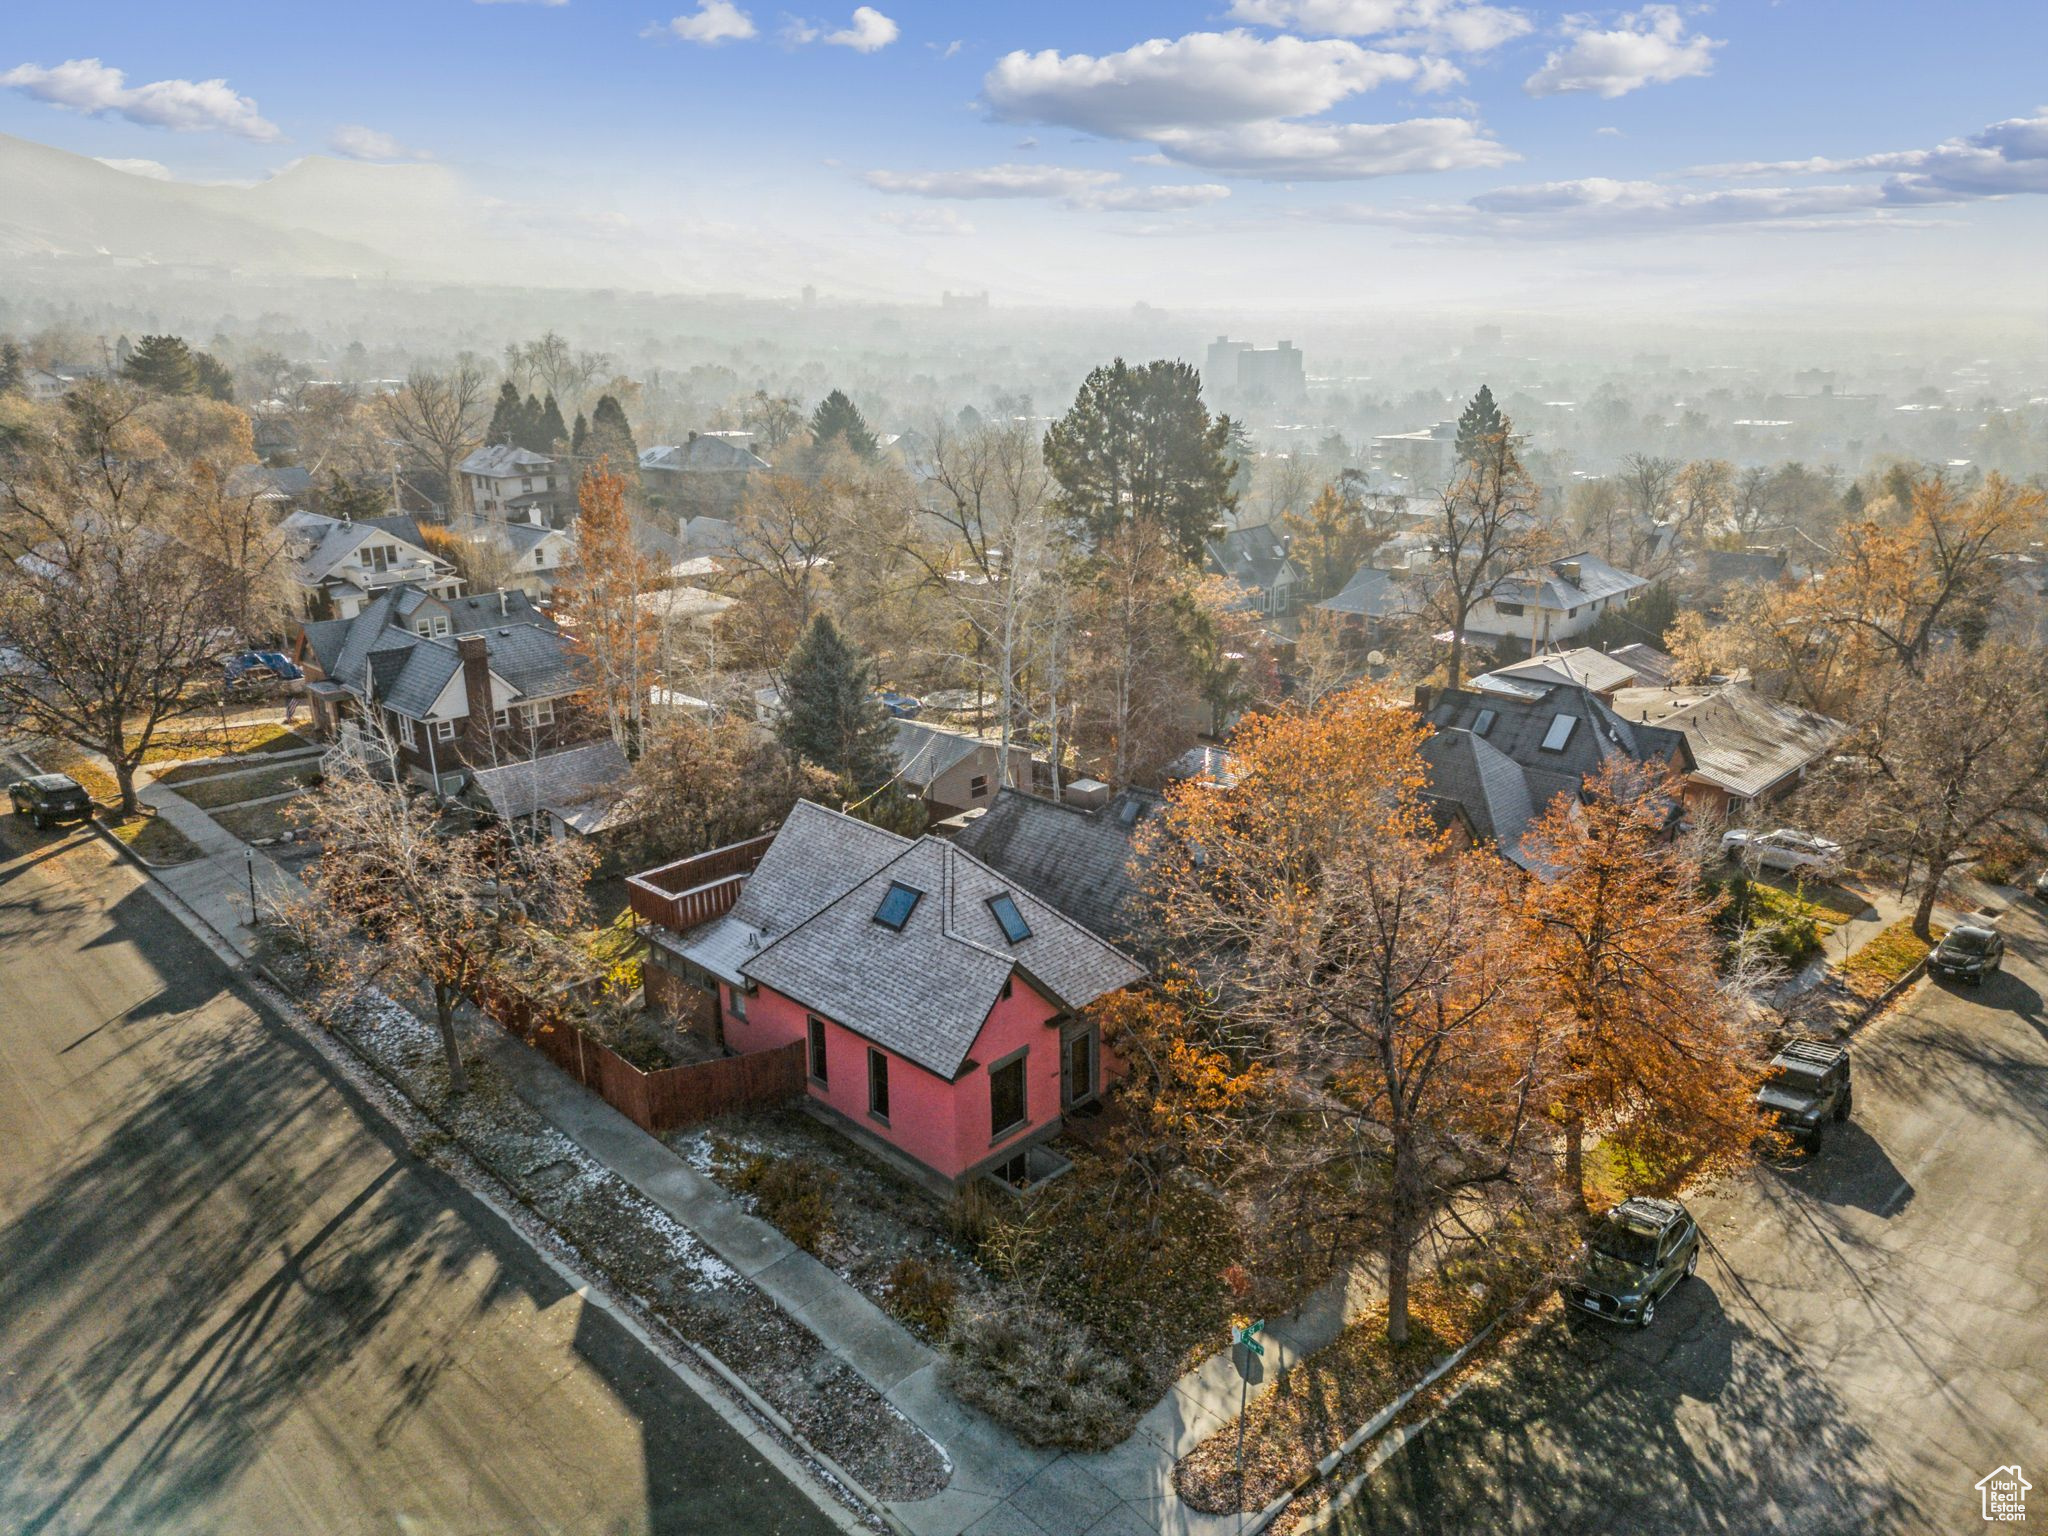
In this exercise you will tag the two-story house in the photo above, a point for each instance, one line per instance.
(1531, 610)
(340, 565)
(1256, 559)
(456, 683)
(516, 485)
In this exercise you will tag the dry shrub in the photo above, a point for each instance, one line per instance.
(792, 1193)
(922, 1297)
(1048, 1379)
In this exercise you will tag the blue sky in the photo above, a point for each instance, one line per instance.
(1848, 148)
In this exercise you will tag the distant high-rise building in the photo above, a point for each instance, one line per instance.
(1240, 373)
(810, 296)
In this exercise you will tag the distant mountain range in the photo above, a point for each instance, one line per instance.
(316, 218)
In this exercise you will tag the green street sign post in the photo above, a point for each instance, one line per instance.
(1245, 1353)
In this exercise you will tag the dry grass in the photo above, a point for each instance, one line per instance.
(1317, 1405)
(189, 740)
(1886, 958)
(154, 840)
(233, 789)
(250, 822)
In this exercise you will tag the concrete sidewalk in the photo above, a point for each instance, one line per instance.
(999, 1486)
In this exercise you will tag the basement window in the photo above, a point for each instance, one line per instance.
(897, 906)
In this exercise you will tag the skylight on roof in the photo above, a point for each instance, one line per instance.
(1559, 733)
(1484, 723)
(1015, 929)
(897, 906)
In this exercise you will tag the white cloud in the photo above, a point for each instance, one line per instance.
(1204, 80)
(360, 143)
(1282, 151)
(1609, 132)
(1648, 47)
(186, 106)
(1464, 26)
(869, 32)
(2005, 159)
(154, 170)
(1092, 191)
(712, 23)
(926, 221)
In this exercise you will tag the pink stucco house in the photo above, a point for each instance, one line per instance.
(937, 1002)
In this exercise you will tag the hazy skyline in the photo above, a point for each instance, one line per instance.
(1347, 153)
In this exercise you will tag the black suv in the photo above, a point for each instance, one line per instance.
(1636, 1253)
(1969, 953)
(1808, 1086)
(50, 797)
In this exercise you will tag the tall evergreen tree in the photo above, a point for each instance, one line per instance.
(1481, 420)
(212, 377)
(13, 368)
(611, 435)
(838, 417)
(579, 439)
(164, 365)
(554, 431)
(530, 419)
(833, 715)
(507, 417)
(1139, 446)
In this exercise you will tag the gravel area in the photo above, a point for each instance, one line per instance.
(652, 1260)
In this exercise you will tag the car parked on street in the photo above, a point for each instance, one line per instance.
(1635, 1255)
(1784, 849)
(1807, 1088)
(49, 797)
(1969, 953)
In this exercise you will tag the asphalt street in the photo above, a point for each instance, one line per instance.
(1866, 1338)
(232, 1301)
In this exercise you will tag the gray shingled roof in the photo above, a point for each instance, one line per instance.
(1371, 593)
(1595, 669)
(1554, 587)
(1487, 785)
(926, 990)
(408, 670)
(1742, 742)
(701, 454)
(1081, 861)
(1254, 557)
(1652, 667)
(567, 783)
(503, 459)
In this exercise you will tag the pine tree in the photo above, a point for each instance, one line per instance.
(838, 417)
(507, 417)
(1852, 502)
(212, 377)
(13, 370)
(553, 430)
(530, 419)
(164, 365)
(832, 714)
(1481, 420)
(579, 439)
(611, 436)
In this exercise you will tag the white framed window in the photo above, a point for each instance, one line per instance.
(406, 733)
(502, 718)
(444, 730)
(542, 713)
(540, 557)
(440, 622)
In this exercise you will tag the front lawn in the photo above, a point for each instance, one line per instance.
(234, 788)
(153, 839)
(252, 823)
(189, 739)
(1886, 958)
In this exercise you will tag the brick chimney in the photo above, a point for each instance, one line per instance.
(476, 685)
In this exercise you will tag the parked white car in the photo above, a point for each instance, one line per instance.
(1783, 849)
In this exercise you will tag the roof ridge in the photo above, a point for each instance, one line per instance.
(1010, 884)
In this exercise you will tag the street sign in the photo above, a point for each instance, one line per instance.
(1247, 1353)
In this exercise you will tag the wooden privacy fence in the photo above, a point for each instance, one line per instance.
(656, 1101)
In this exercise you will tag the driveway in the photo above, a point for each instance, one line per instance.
(233, 1301)
(1867, 1337)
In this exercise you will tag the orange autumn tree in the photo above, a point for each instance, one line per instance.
(1654, 1054)
(1372, 969)
(601, 605)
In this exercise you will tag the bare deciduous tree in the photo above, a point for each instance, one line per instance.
(1484, 532)
(439, 415)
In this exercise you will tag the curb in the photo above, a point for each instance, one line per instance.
(870, 1503)
(102, 831)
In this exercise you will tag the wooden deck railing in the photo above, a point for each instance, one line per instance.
(692, 891)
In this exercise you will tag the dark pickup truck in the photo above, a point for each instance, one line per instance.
(50, 797)
(1807, 1087)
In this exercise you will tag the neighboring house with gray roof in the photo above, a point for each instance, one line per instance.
(339, 565)
(1083, 861)
(1747, 750)
(1256, 559)
(457, 683)
(1549, 604)
(1530, 679)
(707, 473)
(953, 771)
(1483, 743)
(935, 998)
(1372, 601)
(516, 485)
(577, 792)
